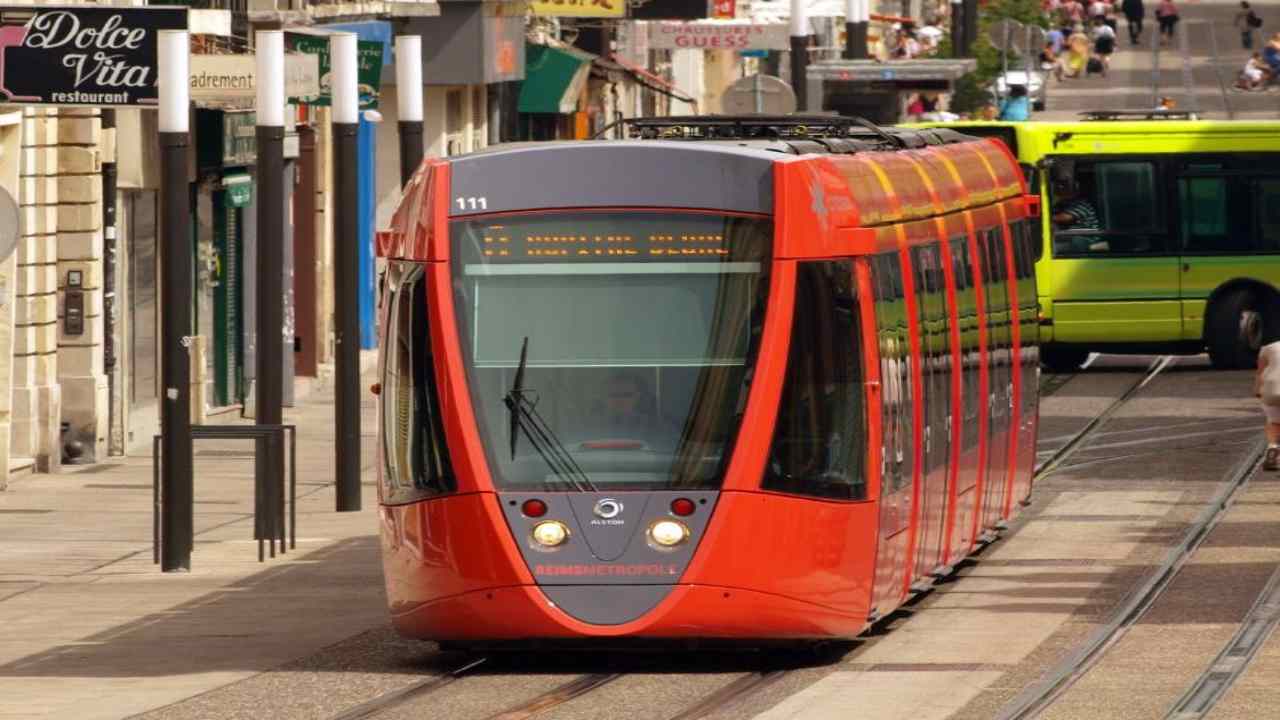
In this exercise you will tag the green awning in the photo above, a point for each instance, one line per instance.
(553, 79)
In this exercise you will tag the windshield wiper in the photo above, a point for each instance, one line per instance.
(525, 416)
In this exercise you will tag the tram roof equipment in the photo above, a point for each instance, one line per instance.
(796, 133)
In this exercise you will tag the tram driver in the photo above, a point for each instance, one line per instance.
(628, 410)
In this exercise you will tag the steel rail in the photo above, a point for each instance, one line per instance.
(1032, 701)
(728, 695)
(556, 696)
(1258, 625)
(395, 698)
(1069, 448)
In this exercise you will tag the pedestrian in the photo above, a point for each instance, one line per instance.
(1073, 11)
(1076, 59)
(1254, 75)
(1133, 14)
(1271, 56)
(1167, 16)
(1266, 387)
(1056, 38)
(1097, 9)
(1048, 59)
(1104, 43)
(1016, 107)
(915, 109)
(1247, 21)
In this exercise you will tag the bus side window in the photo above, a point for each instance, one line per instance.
(1109, 208)
(1267, 205)
(1215, 215)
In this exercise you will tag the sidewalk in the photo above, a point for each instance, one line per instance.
(90, 628)
(1128, 85)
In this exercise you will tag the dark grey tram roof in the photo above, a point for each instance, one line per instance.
(695, 162)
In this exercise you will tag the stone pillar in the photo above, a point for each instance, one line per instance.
(10, 160)
(80, 357)
(37, 399)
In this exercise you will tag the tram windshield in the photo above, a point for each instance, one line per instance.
(610, 350)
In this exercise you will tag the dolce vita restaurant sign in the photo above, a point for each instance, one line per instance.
(82, 54)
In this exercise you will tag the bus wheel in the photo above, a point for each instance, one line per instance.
(1060, 359)
(1234, 331)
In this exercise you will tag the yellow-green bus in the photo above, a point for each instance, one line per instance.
(1159, 235)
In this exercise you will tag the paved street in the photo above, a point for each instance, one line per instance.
(92, 629)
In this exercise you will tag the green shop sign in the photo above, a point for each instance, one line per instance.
(369, 77)
(239, 189)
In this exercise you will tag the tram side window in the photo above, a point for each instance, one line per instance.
(819, 439)
(967, 312)
(895, 371)
(1108, 208)
(416, 459)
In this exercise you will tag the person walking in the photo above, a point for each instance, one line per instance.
(1134, 11)
(1167, 16)
(1016, 107)
(1104, 43)
(1247, 21)
(1266, 387)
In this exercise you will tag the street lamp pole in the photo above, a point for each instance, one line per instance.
(346, 263)
(176, 481)
(800, 53)
(270, 109)
(409, 97)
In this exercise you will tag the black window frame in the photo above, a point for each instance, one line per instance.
(846, 351)
(429, 468)
(1164, 235)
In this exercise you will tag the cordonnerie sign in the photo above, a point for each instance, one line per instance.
(82, 54)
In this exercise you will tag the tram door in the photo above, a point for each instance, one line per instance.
(1000, 384)
(934, 349)
(897, 427)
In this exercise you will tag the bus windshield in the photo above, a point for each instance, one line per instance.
(609, 350)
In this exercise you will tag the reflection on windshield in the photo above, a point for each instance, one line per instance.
(640, 332)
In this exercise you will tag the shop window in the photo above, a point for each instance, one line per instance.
(415, 457)
(818, 444)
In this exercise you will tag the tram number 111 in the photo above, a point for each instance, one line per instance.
(473, 203)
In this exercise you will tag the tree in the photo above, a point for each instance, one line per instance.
(972, 90)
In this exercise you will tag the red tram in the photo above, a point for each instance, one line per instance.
(734, 379)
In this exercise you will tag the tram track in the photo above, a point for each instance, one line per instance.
(401, 696)
(1037, 698)
(1077, 440)
(1234, 658)
(734, 693)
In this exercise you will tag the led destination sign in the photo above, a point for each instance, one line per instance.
(500, 243)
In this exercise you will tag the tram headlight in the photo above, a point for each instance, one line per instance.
(668, 533)
(550, 533)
